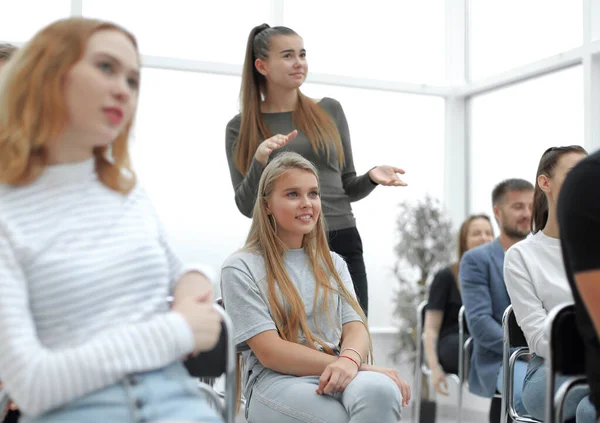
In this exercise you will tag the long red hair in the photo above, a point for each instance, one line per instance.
(33, 109)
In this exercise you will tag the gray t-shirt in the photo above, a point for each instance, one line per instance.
(245, 294)
(339, 187)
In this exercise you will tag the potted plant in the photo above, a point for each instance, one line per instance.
(425, 244)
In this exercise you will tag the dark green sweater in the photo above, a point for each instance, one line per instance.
(339, 187)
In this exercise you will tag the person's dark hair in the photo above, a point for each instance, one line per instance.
(462, 239)
(513, 184)
(548, 163)
(6, 50)
(308, 117)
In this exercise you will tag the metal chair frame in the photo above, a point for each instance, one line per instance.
(508, 365)
(421, 367)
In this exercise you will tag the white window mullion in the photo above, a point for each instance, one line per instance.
(76, 7)
(456, 157)
(277, 12)
(591, 74)
(591, 90)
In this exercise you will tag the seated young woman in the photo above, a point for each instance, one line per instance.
(537, 282)
(440, 338)
(292, 302)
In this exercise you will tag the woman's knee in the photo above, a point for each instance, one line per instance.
(375, 390)
(586, 412)
(294, 401)
(533, 398)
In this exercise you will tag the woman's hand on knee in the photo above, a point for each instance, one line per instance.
(337, 376)
(392, 374)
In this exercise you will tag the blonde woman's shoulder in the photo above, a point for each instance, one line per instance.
(243, 259)
(338, 260)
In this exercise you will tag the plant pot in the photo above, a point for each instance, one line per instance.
(428, 411)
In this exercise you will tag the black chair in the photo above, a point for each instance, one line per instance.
(566, 357)
(221, 360)
(514, 340)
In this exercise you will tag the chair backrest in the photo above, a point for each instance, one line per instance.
(566, 344)
(211, 363)
(516, 338)
(421, 310)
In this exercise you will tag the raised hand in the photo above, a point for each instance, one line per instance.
(387, 175)
(265, 148)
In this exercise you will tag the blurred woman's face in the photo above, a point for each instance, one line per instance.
(101, 89)
(479, 232)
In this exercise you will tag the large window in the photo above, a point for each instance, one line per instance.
(396, 129)
(392, 40)
(23, 18)
(186, 29)
(511, 128)
(510, 33)
(179, 153)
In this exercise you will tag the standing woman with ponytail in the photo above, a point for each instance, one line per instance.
(536, 281)
(275, 117)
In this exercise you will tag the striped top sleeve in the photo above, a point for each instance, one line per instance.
(83, 290)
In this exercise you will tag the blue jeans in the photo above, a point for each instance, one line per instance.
(278, 398)
(534, 395)
(520, 370)
(167, 394)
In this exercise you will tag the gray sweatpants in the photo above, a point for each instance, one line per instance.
(277, 398)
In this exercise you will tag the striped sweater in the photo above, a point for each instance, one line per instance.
(84, 275)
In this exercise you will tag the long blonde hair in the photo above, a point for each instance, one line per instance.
(33, 109)
(309, 117)
(290, 317)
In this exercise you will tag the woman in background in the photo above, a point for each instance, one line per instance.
(536, 281)
(441, 341)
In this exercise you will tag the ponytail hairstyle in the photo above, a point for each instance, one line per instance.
(546, 167)
(308, 117)
(6, 50)
(288, 309)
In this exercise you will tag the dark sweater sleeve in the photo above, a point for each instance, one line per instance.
(357, 187)
(245, 187)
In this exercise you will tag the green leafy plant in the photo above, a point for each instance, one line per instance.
(426, 243)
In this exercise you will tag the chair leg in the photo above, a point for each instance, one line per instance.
(212, 397)
(495, 410)
(459, 403)
(416, 415)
